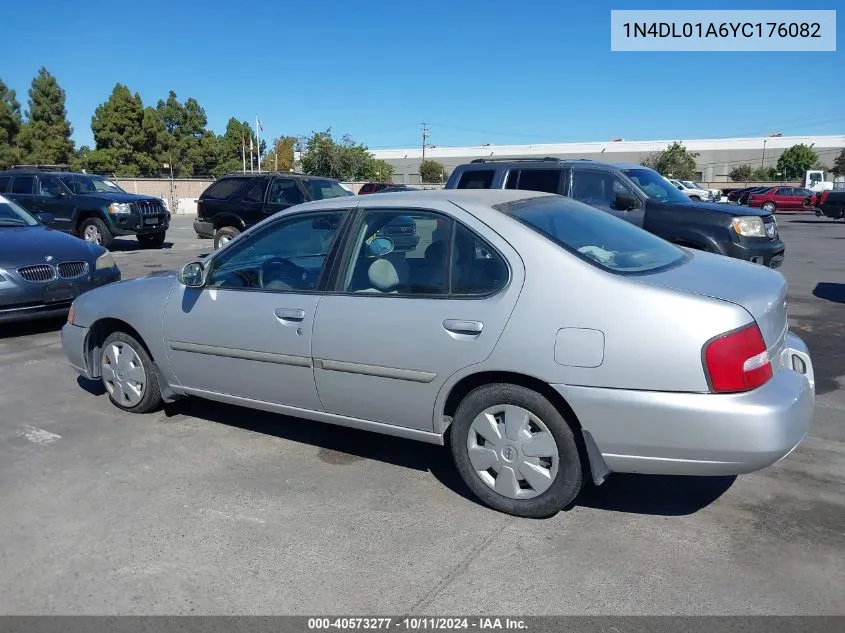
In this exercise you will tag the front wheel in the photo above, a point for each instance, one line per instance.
(224, 235)
(769, 207)
(94, 230)
(695, 198)
(151, 240)
(515, 451)
(129, 374)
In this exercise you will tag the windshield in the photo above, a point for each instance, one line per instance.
(655, 186)
(81, 185)
(595, 236)
(692, 185)
(13, 215)
(323, 189)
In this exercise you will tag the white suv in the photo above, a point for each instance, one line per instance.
(694, 193)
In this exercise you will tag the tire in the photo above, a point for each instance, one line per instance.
(557, 471)
(95, 230)
(768, 207)
(151, 240)
(125, 366)
(695, 198)
(223, 235)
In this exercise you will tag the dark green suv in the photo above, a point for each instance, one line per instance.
(91, 207)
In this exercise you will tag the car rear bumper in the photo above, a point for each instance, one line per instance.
(73, 344)
(203, 228)
(696, 433)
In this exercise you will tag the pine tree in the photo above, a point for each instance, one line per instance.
(45, 137)
(10, 126)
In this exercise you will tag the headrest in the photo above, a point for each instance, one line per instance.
(383, 275)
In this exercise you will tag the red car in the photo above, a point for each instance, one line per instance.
(373, 187)
(783, 199)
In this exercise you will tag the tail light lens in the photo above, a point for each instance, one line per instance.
(820, 198)
(737, 361)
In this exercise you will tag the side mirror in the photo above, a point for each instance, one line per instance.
(193, 275)
(626, 202)
(45, 218)
(380, 246)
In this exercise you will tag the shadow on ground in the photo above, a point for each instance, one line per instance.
(29, 328)
(131, 245)
(638, 494)
(830, 291)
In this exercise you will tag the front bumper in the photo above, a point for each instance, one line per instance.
(132, 224)
(203, 228)
(697, 433)
(73, 344)
(27, 301)
(758, 251)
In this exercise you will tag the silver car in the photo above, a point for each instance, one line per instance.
(544, 341)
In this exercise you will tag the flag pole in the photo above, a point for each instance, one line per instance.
(258, 142)
(243, 150)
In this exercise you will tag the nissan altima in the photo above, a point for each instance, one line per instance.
(42, 270)
(543, 341)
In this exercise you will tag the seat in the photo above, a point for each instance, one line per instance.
(387, 276)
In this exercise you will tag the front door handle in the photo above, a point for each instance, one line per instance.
(286, 314)
(458, 326)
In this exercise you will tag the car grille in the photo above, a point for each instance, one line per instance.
(148, 207)
(39, 272)
(72, 270)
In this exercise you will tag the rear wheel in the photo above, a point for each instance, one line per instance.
(94, 230)
(128, 374)
(151, 240)
(769, 207)
(515, 451)
(224, 235)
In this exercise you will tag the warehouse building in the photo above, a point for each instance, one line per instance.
(716, 159)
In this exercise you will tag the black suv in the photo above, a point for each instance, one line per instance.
(639, 195)
(236, 201)
(91, 207)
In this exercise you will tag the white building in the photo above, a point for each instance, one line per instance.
(717, 157)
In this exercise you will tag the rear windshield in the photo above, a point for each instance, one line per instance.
(595, 236)
(324, 189)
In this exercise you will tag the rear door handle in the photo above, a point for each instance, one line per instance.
(287, 314)
(472, 328)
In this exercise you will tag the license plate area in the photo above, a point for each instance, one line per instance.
(58, 292)
(151, 221)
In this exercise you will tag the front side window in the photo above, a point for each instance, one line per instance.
(288, 255)
(49, 186)
(23, 184)
(399, 252)
(476, 179)
(597, 237)
(654, 185)
(82, 185)
(593, 187)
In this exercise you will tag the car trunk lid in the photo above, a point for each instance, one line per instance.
(760, 290)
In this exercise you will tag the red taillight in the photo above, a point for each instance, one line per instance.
(820, 198)
(737, 361)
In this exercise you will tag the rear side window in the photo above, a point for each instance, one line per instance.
(476, 179)
(477, 269)
(547, 180)
(285, 191)
(255, 191)
(223, 188)
(23, 184)
(4, 183)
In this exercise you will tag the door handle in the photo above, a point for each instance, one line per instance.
(286, 314)
(472, 328)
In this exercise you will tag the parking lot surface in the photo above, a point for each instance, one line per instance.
(204, 508)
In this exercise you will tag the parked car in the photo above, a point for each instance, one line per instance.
(782, 199)
(831, 204)
(91, 207)
(695, 194)
(373, 187)
(500, 336)
(42, 270)
(733, 195)
(237, 201)
(395, 188)
(639, 195)
(743, 198)
(715, 194)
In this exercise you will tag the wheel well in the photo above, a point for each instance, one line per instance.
(691, 244)
(228, 220)
(84, 215)
(100, 331)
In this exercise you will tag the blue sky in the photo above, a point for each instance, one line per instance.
(478, 71)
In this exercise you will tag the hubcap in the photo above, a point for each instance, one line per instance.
(92, 234)
(123, 374)
(512, 451)
(224, 239)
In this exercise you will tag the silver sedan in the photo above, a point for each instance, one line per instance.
(544, 342)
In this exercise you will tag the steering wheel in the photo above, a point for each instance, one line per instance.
(281, 273)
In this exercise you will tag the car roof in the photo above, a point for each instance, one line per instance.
(286, 174)
(422, 197)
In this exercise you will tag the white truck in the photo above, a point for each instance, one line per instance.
(815, 181)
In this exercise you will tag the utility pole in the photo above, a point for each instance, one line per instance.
(424, 138)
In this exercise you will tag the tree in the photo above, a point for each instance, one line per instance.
(128, 137)
(346, 160)
(10, 127)
(839, 164)
(191, 149)
(741, 173)
(280, 157)
(795, 161)
(765, 174)
(46, 135)
(432, 171)
(674, 161)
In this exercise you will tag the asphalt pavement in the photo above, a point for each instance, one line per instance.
(204, 508)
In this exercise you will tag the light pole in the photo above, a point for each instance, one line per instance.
(763, 160)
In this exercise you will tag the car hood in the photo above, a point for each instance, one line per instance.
(119, 196)
(26, 246)
(760, 290)
(727, 209)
